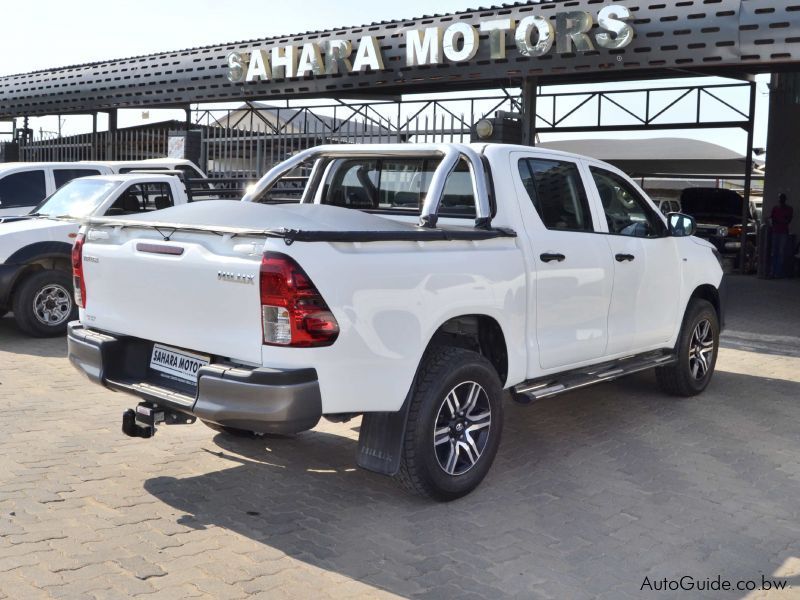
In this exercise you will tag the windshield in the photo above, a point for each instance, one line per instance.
(77, 199)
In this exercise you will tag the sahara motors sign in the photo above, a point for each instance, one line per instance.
(533, 36)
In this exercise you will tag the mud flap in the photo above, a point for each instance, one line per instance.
(380, 441)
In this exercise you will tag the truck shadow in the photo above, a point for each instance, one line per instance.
(592, 491)
(12, 340)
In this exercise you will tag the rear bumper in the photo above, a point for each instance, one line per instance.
(255, 399)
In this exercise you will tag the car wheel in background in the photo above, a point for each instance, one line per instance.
(44, 303)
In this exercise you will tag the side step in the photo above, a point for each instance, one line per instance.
(538, 389)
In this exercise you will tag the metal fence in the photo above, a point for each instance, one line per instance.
(243, 143)
(123, 144)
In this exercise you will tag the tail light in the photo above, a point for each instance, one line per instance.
(78, 280)
(735, 231)
(293, 312)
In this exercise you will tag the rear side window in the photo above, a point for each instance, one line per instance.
(142, 197)
(22, 189)
(557, 193)
(398, 186)
(63, 176)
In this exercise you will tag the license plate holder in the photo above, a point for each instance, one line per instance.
(176, 364)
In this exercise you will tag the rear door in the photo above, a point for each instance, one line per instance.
(20, 191)
(644, 305)
(572, 273)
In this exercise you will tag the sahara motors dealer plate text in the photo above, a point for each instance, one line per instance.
(177, 364)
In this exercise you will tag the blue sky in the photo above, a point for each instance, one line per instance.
(41, 34)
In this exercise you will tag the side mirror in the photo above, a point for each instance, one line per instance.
(681, 225)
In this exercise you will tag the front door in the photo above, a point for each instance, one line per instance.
(644, 304)
(570, 269)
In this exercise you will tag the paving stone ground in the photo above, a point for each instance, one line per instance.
(591, 492)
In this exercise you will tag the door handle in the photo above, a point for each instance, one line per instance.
(625, 257)
(548, 258)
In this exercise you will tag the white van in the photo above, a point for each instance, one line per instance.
(23, 185)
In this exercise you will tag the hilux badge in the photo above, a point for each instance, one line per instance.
(236, 277)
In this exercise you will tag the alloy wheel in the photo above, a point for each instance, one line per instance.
(462, 428)
(701, 349)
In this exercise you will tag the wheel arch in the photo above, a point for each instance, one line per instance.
(36, 257)
(477, 332)
(711, 294)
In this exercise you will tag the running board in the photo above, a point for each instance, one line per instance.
(538, 389)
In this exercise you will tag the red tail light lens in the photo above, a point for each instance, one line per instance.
(78, 280)
(293, 312)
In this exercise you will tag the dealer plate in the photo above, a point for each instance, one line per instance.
(177, 364)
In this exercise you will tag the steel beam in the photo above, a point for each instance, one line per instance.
(672, 39)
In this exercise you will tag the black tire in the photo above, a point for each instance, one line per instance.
(690, 375)
(445, 371)
(52, 288)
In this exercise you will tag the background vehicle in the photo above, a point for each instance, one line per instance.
(24, 185)
(718, 213)
(35, 269)
(667, 207)
(412, 285)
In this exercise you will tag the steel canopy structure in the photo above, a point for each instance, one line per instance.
(721, 37)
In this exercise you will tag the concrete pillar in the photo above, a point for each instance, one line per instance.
(783, 145)
(783, 155)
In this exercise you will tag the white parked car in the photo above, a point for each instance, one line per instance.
(412, 285)
(35, 250)
(23, 185)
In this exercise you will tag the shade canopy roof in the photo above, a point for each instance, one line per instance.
(661, 156)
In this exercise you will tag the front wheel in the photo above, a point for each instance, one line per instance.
(697, 349)
(454, 425)
(43, 303)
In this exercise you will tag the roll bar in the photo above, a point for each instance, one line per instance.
(450, 154)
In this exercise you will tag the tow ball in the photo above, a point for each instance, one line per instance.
(141, 421)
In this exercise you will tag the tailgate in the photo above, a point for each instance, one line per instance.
(194, 292)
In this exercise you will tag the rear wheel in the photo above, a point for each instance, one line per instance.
(697, 349)
(454, 425)
(43, 303)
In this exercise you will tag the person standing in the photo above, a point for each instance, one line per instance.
(779, 219)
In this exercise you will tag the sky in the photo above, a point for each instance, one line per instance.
(52, 33)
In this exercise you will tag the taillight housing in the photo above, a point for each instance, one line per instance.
(78, 280)
(293, 312)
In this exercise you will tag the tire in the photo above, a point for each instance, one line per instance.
(690, 375)
(427, 464)
(3, 313)
(43, 303)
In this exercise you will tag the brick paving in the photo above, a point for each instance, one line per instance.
(591, 492)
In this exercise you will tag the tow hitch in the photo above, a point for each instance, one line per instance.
(142, 421)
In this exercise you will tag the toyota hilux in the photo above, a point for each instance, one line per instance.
(411, 285)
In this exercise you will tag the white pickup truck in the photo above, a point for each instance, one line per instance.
(411, 285)
(35, 249)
